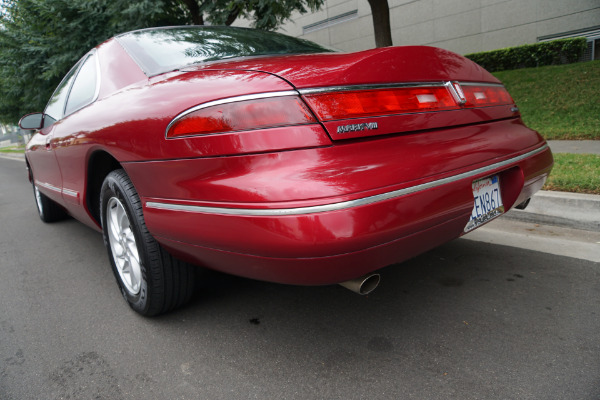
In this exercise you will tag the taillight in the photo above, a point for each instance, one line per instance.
(231, 116)
(483, 96)
(386, 101)
(348, 103)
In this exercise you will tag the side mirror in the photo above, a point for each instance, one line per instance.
(32, 121)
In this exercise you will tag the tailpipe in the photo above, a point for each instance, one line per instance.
(363, 285)
(523, 205)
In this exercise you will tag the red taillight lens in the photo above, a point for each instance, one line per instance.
(482, 96)
(242, 115)
(364, 103)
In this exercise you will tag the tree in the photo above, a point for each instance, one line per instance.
(41, 39)
(381, 22)
(266, 14)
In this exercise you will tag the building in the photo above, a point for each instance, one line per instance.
(9, 135)
(463, 26)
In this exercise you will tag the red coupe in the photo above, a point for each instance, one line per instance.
(274, 158)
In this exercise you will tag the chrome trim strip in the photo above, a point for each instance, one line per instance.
(480, 84)
(344, 204)
(48, 186)
(447, 84)
(229, 100)
(68, 192)
(370, 87)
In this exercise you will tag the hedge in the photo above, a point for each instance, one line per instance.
(561, 51)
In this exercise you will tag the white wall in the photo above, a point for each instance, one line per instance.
(463, 26)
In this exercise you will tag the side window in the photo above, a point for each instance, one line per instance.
(56, 105)
(83, 91)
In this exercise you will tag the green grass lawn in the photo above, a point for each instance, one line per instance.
(579, 173)
(559, 101)
(12, 150)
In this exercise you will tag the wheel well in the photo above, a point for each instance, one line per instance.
(99, 165)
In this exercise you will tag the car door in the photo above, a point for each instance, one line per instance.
(67, 135)
(44, 165)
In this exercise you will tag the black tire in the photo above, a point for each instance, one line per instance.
(48, 210)
(162, 283)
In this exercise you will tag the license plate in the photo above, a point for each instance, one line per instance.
(488, 202)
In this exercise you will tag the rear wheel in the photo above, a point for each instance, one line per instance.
(150, 279)
(48, 210)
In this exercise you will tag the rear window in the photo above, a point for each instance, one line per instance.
(166, 49)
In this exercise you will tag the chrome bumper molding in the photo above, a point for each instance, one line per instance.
(344, 204)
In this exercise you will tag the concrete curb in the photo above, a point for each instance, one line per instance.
(570, 210)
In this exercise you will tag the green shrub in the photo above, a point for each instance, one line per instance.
(562, 51)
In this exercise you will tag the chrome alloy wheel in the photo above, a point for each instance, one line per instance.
(123, 246)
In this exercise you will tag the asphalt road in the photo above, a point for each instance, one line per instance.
(469, 320)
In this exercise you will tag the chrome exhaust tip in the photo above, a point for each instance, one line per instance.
(363, 285)
(523, 205)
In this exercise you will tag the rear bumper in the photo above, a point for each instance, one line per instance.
(333, 239)
(320, 270)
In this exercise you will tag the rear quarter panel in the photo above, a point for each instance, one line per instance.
(130, 124)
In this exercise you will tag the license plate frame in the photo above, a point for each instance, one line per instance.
(487, 201)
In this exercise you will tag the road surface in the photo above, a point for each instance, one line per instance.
(469, 320)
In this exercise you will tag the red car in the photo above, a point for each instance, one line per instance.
(273, 158)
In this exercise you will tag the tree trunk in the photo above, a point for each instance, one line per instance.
(381, 22)
(232, 15)
(194, 9)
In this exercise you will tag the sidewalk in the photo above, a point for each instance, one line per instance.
(551, 239)
(13, 156)
(575, 146)
(569, 210)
